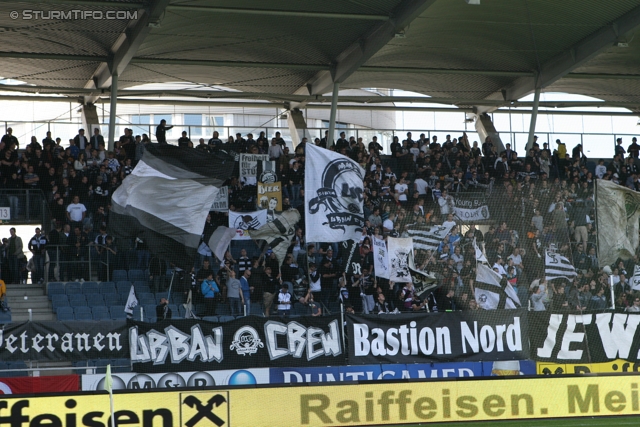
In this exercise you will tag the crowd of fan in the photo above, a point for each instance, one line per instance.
(537, 202)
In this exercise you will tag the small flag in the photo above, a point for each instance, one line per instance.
(635, 280)
(132, 302)
(557, 266)
(108, 380)
(480, 256)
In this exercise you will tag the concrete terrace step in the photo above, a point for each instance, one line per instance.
(22, 290)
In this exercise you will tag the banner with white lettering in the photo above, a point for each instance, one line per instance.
(471, 208)
(248, 342)
(249, 167)
(584, 337)
(435, 337)
(56, 341)
(221, 202)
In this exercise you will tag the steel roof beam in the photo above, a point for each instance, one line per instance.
(271, 12)
(362, 50)
(126, 50)
(575, 56)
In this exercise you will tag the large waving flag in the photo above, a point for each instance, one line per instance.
(618, 214)
(278, 233)
(489, 292)
(556, 266)
(428, 238)
(165, 200)
(333, 187)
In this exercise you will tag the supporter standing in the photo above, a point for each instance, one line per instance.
(161, 132)
(37, 246)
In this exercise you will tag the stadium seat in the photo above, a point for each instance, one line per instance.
(111, 299)
(177, 298)
(95, 300)
(90, 288)
(121, 365)
(120, 276)
(59, 300)
(141, 286)
(146, 298)
(76, 300)
(107, 288)
(123, 286)
(17, 365)
(64, 313)
(223, 310)
(71, 288)
(83, 313)
(223, 319)
(300, 309)
(149, 310)
(117, 312)
(210, 318)
(256, 309)
(101, 365)
(174, 311)
(101, 313)
(161, 295)
(55, 288)
(136, 275)
(5, 317)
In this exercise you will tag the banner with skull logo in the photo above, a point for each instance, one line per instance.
(400, 259)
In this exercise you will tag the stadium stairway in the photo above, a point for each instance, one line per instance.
(36, 300)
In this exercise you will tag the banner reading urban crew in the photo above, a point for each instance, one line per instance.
(249, 342)
(55, 341)
(452, 337)
(584, 338)
(471, 208)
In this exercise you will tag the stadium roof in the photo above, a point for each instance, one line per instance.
(472, 55)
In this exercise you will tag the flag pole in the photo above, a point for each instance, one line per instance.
(108, 385)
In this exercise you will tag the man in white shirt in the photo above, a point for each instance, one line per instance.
(76, 212)
(421, 186)
(499, 266)
(387, 225)
(401, 190)
(275, 150)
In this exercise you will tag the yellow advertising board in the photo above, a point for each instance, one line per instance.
(615, 366)
(337, 405)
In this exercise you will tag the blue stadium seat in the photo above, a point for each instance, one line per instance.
(223, 319)
(121, 365)
(64, 313)
(73, 288)
(83, 313)
(120, 275)
(146, 298)
(182, 310)
(95, 300)
(76, 300)
(177, 298)
(111, 299)
(117, 312)
(300, 309)
(101, 313)
(223, 310)
(17, 365)
(141, 286)
(136, 313)
(59, 300)
(123, 286)
(174, 311)
(137, 275)
(55, 288)
(256, 309)
(210, 318)
(90, 288)
(161, 295)
(150, 319)
(107, 288)
(5, 317)
(101, 365)
(149, 310)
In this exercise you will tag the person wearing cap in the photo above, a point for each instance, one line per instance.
(284, 301)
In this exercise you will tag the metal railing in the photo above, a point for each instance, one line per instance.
(24, 206)
(67, 262)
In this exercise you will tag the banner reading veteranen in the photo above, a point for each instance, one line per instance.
(249, 342)
(56, 341)
(333, 188)
(420, 338)
(585, 338)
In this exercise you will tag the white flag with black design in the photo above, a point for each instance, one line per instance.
(166, 199)
(333, 188)
(380, 258)
(556, 266)
(277, 234)
(400, 258)
(480, 256)
(635, 280)
(428, 238)
(489, 292)
(132, 302)
(242, 222)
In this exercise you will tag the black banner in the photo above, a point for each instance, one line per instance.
(55, 341)
(350, 254)
(248, 342)
(584, 338)
(438, 337)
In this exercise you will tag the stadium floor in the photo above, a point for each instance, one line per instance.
(555, 422)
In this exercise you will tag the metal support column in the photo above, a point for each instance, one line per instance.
(112, 111)
(534, 117)
(332, 116)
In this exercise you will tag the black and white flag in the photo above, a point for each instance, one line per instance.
(635, 280)
(277, 234)
(489, 292)
(132, 302)
(556, 266)
(333, 188)
(166, 199)
(400, 259)
(428, 238)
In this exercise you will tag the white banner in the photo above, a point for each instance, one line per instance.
(635, 280)
(249, 166)
(471, 214)
(131, 381)
(380, 258)
(400, 258)
(333, 196)
(221, 202)
(244, 221)
(429, 238)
